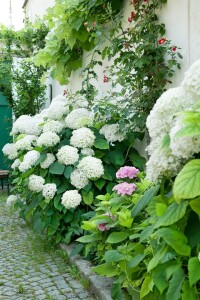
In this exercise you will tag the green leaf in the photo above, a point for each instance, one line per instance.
(188, 130)
(57, 168)
(87, 238)
(166, 141)
(157, 258)
(195, 205)
(116, 291)
(173, 214)
(63, 187)
(100, 183)
(42, 157)
(192, 230)
(101, 144)
(107, 269)
(117, 237)
(160, 209)
(68, 171)
(188, 293)
(113, 255)
(117, 158)
(135, 261)
(177, 240)
(144, 201)
(57, 203)
(194, 270)
(175, 285)
(88, 197)
(186, 185)
(145, 289)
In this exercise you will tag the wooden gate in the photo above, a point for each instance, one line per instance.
(5, 128)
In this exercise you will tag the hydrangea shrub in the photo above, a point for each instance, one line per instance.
(63, 160)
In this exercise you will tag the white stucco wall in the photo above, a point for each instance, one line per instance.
(36, 8)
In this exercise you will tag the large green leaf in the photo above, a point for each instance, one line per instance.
(107, 269)
(176, 239)
(144, 201)
(195, 205)
(88, 197)
(117, 237)
(157, 258)
(173, 214)
(116, 291)
(101, 143)
(135, 260)
(57, 168)
(99, 183)
(68, 171)
(188, 293)
(117, 158)
(175, 285)
(87, 238)
(113, 255)
(145, 289)
(192, 230)
(186, 185)
(194, 270)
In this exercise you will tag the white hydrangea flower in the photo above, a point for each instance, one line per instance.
(36, 183)
(29, 161)
(79, 101)
(48, 139)
(28, 125)
(16, 164)
(87, 151)
(49, 190)
(111, 133)
(67, 155)
(10, 151)
(45, 164)
(82, 138)
(57, 110)
(11, 200)
(92, 167)
(192, 79)
(78, 179)
(25, 143)
(71, 199)
(79, 117)
(60, 98)
(53, 126)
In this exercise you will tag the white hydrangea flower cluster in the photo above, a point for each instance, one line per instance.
(45, 164)
(25, 143)
(16, 164)
(111, 133)
(36, 183)
(82, 138)
(53, 126)
(10, 151)
(67, 155)
(11, 200)
(49, 190)
(60, 98)
(48, 139)
(87, 151)
(80, 117)
(29, 161)
(28, 125)
(57, 110)
(92, 167)
(164, 122)
(79, 179)
(71, 199)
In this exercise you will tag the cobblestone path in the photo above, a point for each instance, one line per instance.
(29, 270)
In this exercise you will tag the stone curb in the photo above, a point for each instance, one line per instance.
(100, 286)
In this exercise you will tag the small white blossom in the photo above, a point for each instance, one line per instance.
(92, 167)
(57, 110)
(10, 151)
(36, 183)
(71, 199)
(11, 200)
(87, 151)
(49, 190)
(29, 161)
(60, 98)
(78, 179)
(25, 143)
(82, 138)
(53, 126)
(28, 125)
(16, 164)
(48, 139)
(45, 164)
(78, 118)
(111, 133)
(67, 155)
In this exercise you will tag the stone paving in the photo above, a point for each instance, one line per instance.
(29, 270)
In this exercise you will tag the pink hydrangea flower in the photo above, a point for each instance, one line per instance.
(105, 226)
(127, 172)
(125, 188)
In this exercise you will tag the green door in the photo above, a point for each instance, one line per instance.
(5, 128)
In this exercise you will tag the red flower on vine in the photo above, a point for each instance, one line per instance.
(161, 41)
(64, 92)
(105, 78)
(130, 19)
(174, 48)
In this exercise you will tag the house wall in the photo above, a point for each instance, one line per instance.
(182, 20)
